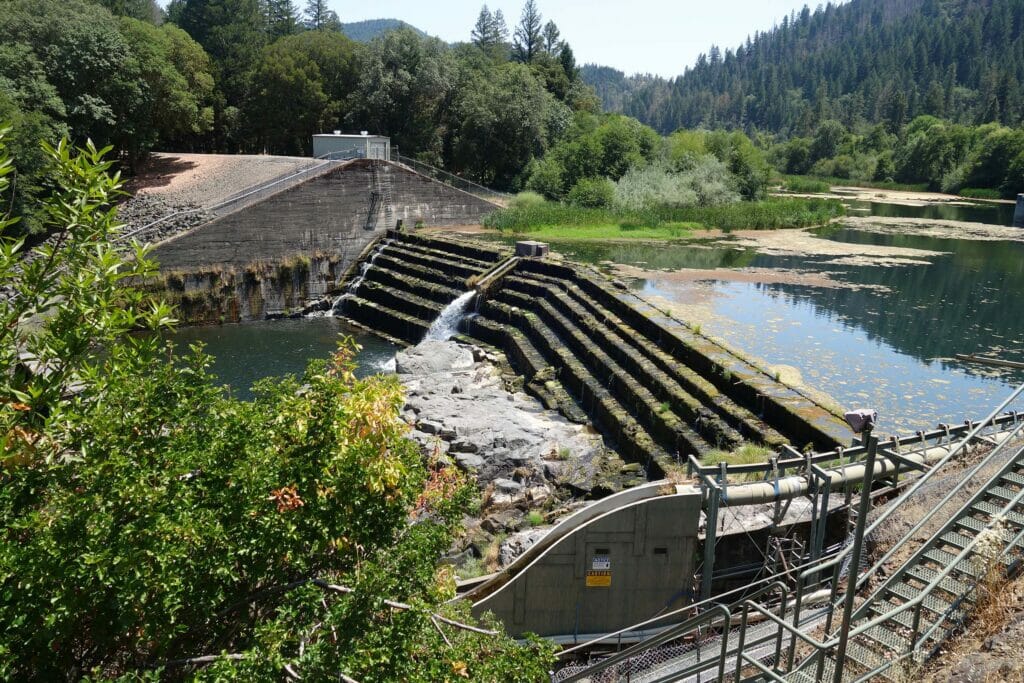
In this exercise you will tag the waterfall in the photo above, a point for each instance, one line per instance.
(353, 286)
(447, 323)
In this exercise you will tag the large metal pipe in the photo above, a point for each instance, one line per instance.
(853, 473)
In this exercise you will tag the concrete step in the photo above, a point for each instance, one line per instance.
(433, 250)
(432, 291)
(664, 388)
(749, 425)
(786, 409)
(399, 300)
(473, 250)
(381, 318)
(672, 433)
(434, 275)
(452, 268)
(634, 441)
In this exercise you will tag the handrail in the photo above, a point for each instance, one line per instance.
(927, 476)
(449, 178)
(719, 610)
(230, 200)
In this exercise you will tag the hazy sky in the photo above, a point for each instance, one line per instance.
(655, 36)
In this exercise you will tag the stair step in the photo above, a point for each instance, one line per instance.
(928, 618)
(385, 320)
(945, 559)
(1013, 478)
(441, 294)
(906, 593)
(956, 539)
(867, 659)
(449, 255)
(733, 413)
(1001, 492)
(949, 584)
(635, 398)
(989, 509)
(887, 639)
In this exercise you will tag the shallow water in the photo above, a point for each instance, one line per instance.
(994, 213)
(246, 353)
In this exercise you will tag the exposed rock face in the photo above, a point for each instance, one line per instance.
(525, 457)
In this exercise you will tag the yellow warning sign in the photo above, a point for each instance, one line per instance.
(599, 579)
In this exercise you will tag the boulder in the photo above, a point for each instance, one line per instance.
(430, 357)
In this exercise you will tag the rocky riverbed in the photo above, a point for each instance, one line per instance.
(532, 465)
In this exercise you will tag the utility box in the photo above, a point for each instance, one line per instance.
(531, 249)
(363, 146)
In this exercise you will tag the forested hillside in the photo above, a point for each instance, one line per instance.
(365, 31)
(867, 61)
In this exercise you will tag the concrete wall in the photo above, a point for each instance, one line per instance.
(320, 222)
(326, 214)
(649, 549)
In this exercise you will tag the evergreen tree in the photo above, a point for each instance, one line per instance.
(320, 17)
(552, 38)
(482, 35)
(528, 39)
(282, 18)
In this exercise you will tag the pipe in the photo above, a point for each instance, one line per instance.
(853, 473)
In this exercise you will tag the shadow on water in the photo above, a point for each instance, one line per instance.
(246, 353)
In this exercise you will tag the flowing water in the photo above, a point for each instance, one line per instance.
(447, 323)
(246, 353)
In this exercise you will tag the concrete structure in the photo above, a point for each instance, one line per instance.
(336, 145)
(1018, 213)
(532, 249)
(615, 563)
(289, 249)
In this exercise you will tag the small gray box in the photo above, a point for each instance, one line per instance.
(530, 249)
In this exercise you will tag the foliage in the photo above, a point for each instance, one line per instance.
(304, 83)
(806, 185)
(706, 181)
(150, 516)
(858, 63)
(592, 193)
(567, 221)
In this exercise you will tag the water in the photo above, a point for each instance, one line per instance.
(447, 323)
(246, 353)
(890, 349)
(994, 213)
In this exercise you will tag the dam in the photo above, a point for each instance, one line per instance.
(668, 399)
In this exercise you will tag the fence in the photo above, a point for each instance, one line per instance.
(450, 179)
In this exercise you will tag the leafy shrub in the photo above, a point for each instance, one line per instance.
(592, 193)
(706, 181)
(980, 193)
(806, 185)
(526, 200)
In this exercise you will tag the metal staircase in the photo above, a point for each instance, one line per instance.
(380, 196)
(905, 609)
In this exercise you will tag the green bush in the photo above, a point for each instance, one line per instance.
(526, 200)
(806, 185)
(593, 193)
(980, 193)
(151, 517)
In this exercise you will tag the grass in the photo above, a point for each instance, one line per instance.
(552, 221)
(747, 454)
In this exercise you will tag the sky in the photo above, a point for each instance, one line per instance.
(662, 37)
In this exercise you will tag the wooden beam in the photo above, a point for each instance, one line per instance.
(990, 361)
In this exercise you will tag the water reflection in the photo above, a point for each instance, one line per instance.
(992, 213)
(246, 353)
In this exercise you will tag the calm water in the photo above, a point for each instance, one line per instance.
(246, 353)
(986, 212)
(891, 350)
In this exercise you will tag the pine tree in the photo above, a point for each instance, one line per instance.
(552, 38)
(320, 17)
(482, 35)
(282, 18)
(500, 28)
(528, 40)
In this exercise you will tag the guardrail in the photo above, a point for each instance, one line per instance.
(452, 180)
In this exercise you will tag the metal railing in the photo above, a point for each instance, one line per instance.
(450, 179)
(814, 577)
